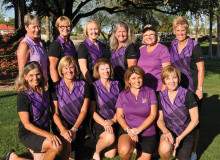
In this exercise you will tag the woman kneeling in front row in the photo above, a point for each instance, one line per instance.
(136, 113)
(178, 117)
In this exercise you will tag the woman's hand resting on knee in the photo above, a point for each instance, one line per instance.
(54, 140)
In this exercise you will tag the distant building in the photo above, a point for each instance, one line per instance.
(4, 29)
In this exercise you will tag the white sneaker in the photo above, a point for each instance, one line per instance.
(193, 156)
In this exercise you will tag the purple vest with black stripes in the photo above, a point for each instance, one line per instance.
(106, 100)
(94, 51)
(182, 61)
(175, 115)
(70, 104)
(41, 108)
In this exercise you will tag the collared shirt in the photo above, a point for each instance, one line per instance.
(119, 60)
(151, 63)
(176, 115)
(38, 107)
(186, 62)
(137, 111)
(106, 100)
(70, 103)
(68, 49)
(38, 53)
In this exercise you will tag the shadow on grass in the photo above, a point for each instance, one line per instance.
(8, 95)
(210, 122)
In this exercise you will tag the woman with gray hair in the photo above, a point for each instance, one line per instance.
(31, 48)
(124, 54)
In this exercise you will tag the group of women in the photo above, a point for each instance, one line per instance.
(124, 110)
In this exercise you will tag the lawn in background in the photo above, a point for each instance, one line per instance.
(208, 147)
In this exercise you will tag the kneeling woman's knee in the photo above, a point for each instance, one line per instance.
(165, 147)
(125, 150)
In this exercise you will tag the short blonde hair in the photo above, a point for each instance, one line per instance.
(30, 18)
(100, 62)
(85, 32)
(22, 85)
(65, 61)
(114, 40)
(63, 19)
(180, 21)
(165, 73)
(133, 69)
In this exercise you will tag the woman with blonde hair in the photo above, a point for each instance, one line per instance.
(106, 92)
(71, 102)
(31, 48)
(62, 46)
(136, 113)
(124, 53)
(186, 54)
(89, 51)
(33, 106)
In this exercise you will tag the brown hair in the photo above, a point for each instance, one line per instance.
(168, 70)
(67, 60)
(85, 32)
(180, 21)
(100, 62)
(22, 85)
(63, 19)
(133, 69)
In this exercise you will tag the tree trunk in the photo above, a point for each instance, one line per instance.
(19, 16)
(218, 32)
(197, 25)
(210, 34)
(15, 3)
(23, 13)
(205, 25)
(47, 29)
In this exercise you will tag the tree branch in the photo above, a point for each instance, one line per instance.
(79, 7)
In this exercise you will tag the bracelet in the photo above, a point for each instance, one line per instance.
(200, 89)
(127, 129)
(75, 128)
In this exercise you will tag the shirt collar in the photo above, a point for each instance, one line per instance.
(90, 42)
(32, 41)
(128, 90)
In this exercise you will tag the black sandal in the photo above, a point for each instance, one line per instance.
(8, 154)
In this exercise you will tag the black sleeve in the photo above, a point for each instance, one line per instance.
(23, 103)
(190, 100)
(93, 93)
(82, 52)
(132, 52)
(55, 50)
(159, 102)
(87, 93)
(53, 91)
(197, 54)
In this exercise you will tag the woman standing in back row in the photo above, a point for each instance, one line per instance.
(124, 54)
(187, 56)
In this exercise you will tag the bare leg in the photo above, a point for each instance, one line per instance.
(65, 153)
(125, 147)
(196, 140)
(165, 149)
(13, 156)
(143, 156)
(105, 140)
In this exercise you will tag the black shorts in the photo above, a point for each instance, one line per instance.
(33, 141)
(185, 147)
(145, 144)
(98, 129)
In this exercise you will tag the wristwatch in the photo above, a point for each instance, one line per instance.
(75, 128)
(200, 89)
(127, 129)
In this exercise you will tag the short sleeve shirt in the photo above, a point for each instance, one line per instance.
(106, 100)
(119, 60)
(136, 111)
(186, 62)
(70, 103)
(176, 115)
(38, 107)
(151, 63)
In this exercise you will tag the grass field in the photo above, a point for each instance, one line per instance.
(209, 142)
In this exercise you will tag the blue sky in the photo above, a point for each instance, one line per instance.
(8, 13)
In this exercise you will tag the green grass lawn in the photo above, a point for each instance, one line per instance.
(209, 142)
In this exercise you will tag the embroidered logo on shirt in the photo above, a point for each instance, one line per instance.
(144, 100)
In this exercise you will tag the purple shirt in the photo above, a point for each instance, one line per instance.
(40, 107)
(186, 63)
(151, 63)
(38, 53)
(95, 52)
(68, 49)
(106, 100)
(70, 104)
(176, 115)
(136, 112)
